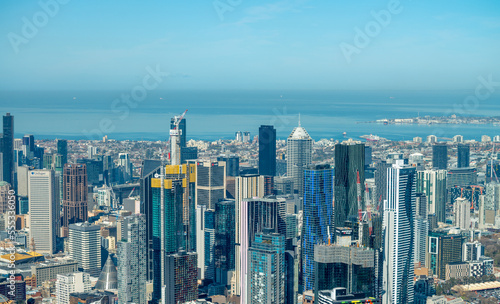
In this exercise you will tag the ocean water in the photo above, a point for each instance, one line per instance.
(219, 114)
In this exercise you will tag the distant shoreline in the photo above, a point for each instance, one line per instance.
(431, 120)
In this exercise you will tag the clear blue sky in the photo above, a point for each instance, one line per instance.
(259, 45)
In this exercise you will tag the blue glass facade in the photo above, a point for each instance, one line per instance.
(209, 244)
(174, 230)
(318, 216)
(224, 240)
(266, 279)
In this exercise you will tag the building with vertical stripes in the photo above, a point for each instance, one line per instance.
(318, 216)
(399, 243)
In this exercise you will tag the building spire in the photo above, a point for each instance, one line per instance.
(299, 119)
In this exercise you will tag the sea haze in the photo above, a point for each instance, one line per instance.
(219, 114)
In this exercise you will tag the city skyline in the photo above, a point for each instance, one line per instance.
(250, 152)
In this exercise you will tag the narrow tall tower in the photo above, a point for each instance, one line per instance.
(399, 243)
(175, 140)
(349, 177)
(267, 150)
(299, 156)
(74, 194)
(7, 145)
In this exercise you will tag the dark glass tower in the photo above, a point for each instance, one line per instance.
(232, 164)
(463, 155)
(381, 182)
(224, 240)
(267, 150)
(440, 156)
(8, 148)
(349, 162)
(149, 169)
(318, 216)
(62, 148)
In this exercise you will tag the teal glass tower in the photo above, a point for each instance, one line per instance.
(267, 269)
(173, 228)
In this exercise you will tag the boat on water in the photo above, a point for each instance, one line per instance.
(370, 137)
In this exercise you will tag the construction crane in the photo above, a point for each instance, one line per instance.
(131, 192)
(175, 133)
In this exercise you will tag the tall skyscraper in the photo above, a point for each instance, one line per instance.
(246, 186)
(463, 156)
(257, 216)
(209, 232)
(299, 156)
(182, 128)
(85, 247)
(8, 148)
(5, 194)
(62, 149)
(210, 183)
(349, 166)
(28, 148)
(440, 156)
(318, 216)
(75, 193)
(461, 209)
(43, 210)
(173, 217)
(232, 164)
(266, 268)
(149, 169)
(444, 249)
(125, 166)
(131, 257)
(433, 184)
(200, 239)
(422, 228)
(399, 243)
(267, 150)
(381, 183)
(224, 247)
(181, 278)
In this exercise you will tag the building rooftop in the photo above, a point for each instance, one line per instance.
(299, 133)
(108, 279)
(476, 287)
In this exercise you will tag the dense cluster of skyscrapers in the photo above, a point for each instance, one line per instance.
(348, 230)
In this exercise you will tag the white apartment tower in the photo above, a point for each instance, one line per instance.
(399, 242)
(85, 247)
(299, 156)
(43, 210)
(70, 283)
(461, 209)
